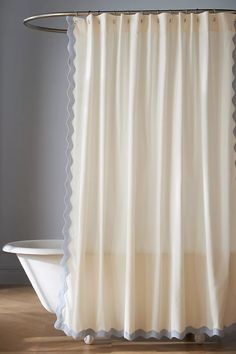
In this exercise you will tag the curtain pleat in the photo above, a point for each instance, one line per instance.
(151, 247)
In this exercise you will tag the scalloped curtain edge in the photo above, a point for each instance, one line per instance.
(67, 185)
(147, 334)
(59, 324)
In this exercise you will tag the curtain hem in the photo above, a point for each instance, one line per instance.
(147, 334)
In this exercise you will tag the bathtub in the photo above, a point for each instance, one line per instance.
(41, 262)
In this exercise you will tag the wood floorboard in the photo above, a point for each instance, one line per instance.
(25, 327)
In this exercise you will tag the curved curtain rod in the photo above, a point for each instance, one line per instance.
(28, 21)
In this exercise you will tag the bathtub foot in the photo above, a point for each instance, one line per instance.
(199, 338)
(88, 339)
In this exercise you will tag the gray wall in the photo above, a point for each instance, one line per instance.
(33, 83)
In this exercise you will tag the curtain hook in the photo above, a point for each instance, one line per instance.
(214, 13)
(99, 13)
(173, 15)
(197, 13)
(185, 16)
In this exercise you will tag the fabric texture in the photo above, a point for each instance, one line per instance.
(150, 246)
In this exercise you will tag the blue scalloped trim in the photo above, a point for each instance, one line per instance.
(234, 85)
(59, 324)
(149, 334)
(68, 191)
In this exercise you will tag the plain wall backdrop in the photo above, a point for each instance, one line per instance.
(33, 101)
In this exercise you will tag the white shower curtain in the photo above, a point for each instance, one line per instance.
(150, 245)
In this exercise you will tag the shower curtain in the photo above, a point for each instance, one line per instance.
(150, 245)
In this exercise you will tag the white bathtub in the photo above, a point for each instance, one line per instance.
(41, 262)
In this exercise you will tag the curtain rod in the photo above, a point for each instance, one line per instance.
(28, 21)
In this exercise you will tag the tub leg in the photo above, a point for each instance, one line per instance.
(88, 339)
(199, 338)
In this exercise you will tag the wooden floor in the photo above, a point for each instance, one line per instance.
(25, 327)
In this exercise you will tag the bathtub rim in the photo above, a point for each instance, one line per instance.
(35, 247)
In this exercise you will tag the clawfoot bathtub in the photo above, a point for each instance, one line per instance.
(41, 262)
